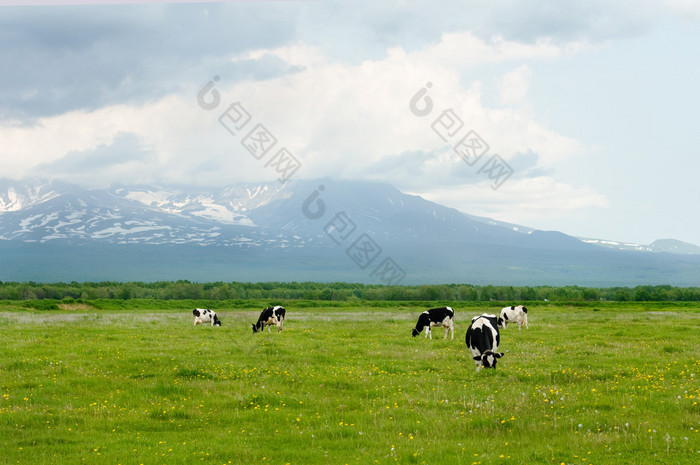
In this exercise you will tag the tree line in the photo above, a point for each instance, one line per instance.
(343, 292)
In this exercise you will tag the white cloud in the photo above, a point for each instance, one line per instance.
(297, 54)
(514, 84)
(463, 49)
(523, 201)
(333, 113)
(338, 119)
(182, 137)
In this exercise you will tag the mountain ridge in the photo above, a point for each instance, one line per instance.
(673, 246)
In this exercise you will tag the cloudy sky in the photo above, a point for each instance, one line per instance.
(590, 105)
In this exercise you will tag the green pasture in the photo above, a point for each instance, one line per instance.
(584, 385)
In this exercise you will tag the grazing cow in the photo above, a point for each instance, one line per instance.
(483, 339)
(203, 315)
(268, 317)
(513, 314)
(443, 316)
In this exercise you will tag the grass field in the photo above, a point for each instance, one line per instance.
(605, 385)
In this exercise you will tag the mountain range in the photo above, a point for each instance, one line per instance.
(308, 230)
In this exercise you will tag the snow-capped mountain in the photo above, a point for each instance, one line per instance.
(52, 211)
(320, 230)
(244, 215)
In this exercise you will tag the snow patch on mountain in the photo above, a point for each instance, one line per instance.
(15, 197)
(672, 246)
(227, 205)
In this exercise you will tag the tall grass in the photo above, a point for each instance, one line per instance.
(581, 386)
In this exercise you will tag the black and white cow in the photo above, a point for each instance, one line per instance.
(268, 317)
(513, 314)
(443, 316)
(204, 315)
(483, 339)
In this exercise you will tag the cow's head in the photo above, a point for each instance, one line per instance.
(501, 322)
(415, 332)
(217, 322)
(489, 358)
(255, 328)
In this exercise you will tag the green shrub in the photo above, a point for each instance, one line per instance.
(45, 304)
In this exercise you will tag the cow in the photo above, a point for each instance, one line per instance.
(483, 339)
(443, 316)
(204, 315)
(268, 317)
(513, 314)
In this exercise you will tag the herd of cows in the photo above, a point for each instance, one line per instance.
(482, 337)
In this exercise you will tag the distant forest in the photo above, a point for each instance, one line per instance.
(341, 292)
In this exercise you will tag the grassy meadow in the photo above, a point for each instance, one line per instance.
(610, 384)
